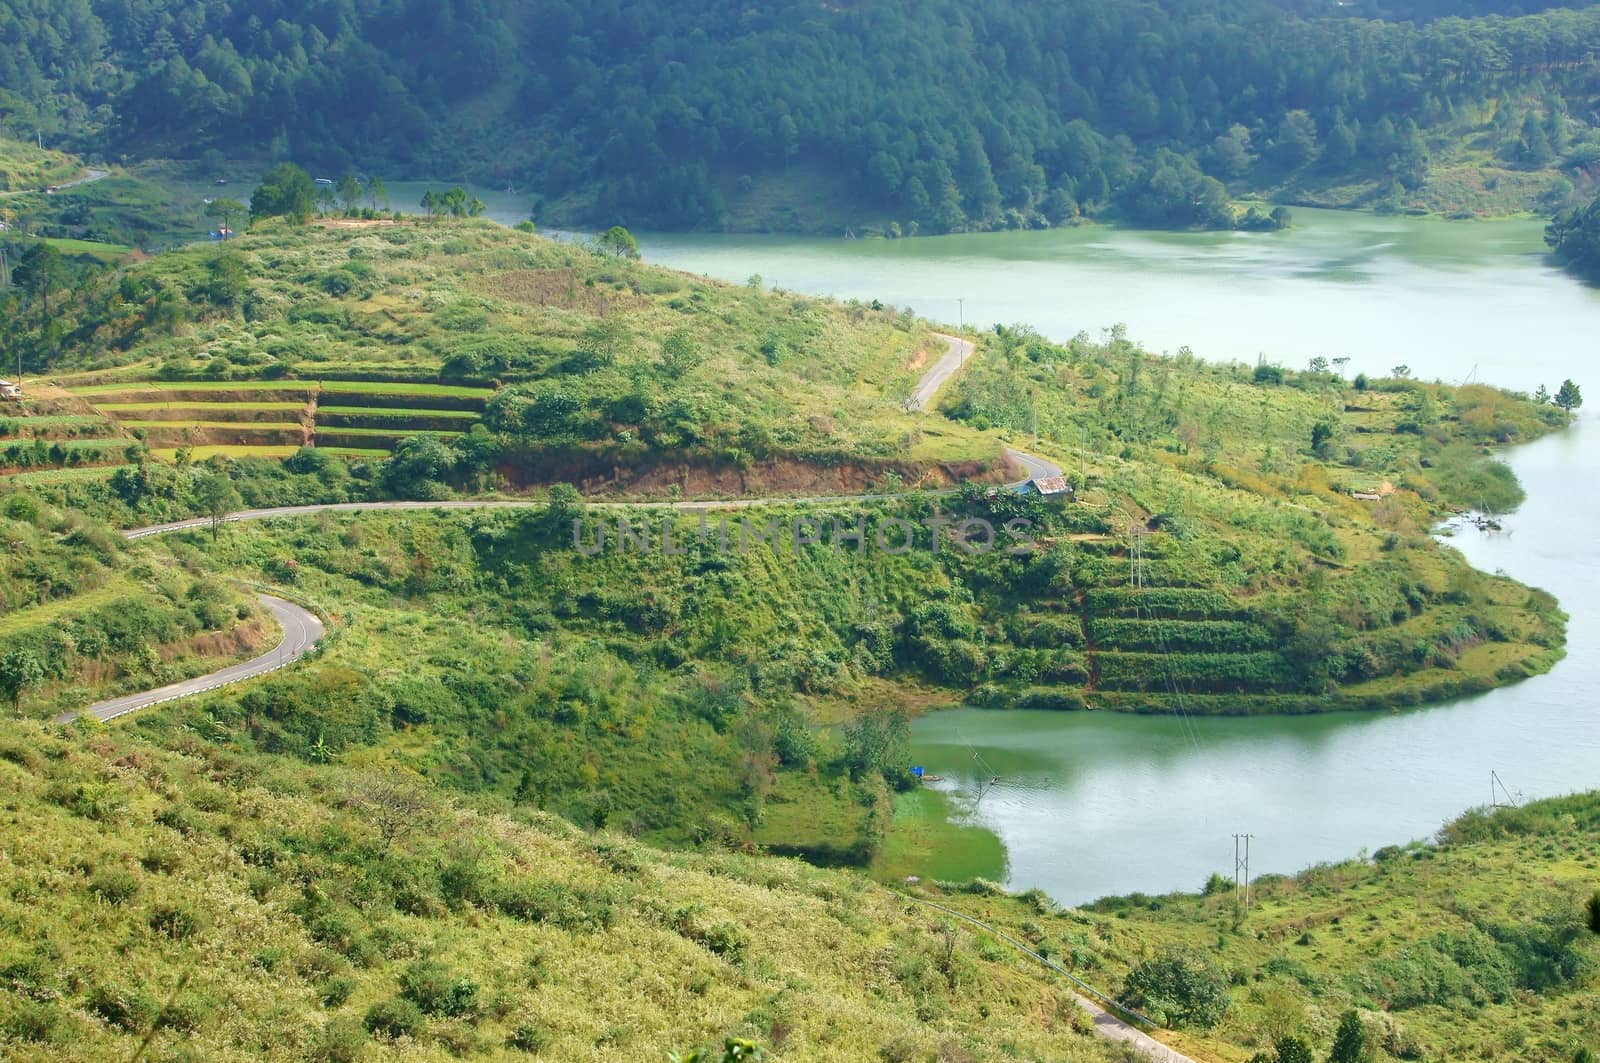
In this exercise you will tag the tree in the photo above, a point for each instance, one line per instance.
(226, 210)
(879, 743)
(1350, 1042)
(1541, 395)
(217, 497)
(678, 353)
(1400, 372)
(1594, 913)
(1229, 154)
(1322, 437)
(19, 670)
(1292, 1050)
(1186, 990)
(38, 271)
(376, 193)
(565, 502)
(417, 468)
(349, 190)
(1568, 397)
(396, 804)
(286, 192)
(618, 241)
(1296, 143)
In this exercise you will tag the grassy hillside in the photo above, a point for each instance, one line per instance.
(222, 906)
(97, 618)
(375, 332)
(25, 168)
(1472, 946)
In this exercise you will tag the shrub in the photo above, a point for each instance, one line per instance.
(173, 921)
(184, 1016)
(40, 1023)
(395, 1017)
(341, 1041)
(1060, 699)
(551, 902)
(433, 988)
(127, 1009)
(336, 990)
(528, 1037)
(114, 885)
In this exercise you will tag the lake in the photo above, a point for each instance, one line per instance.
(1097, 803)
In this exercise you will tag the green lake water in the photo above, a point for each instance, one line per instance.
(1095, 803)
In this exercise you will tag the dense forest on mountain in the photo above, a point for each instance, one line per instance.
(933, 116)
(1574, 236)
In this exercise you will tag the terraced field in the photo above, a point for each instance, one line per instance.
(272, 418)
(55, 433)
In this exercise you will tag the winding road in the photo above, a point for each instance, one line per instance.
(89, 177)
(302, 631)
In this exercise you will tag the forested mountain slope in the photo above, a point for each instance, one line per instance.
(944, 115)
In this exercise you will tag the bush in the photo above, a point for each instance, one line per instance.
(395, 1017)
(336, 990)
(40, 1023)
(114, 885)
(430, 986)
(341, 1041)
(528, 1037)
(551, 902)
(173, 921)
(127, 1009)
(1059, 699)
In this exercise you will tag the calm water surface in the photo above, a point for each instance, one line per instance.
(1092, 804)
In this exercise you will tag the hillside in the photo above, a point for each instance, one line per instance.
(26, 167)
(1473, 945)
(205, 903)
(1217, 559)
(889, 117)
(357, 336)
(398, 846)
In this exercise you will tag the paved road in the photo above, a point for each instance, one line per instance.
(92, 175)
(301, 631)
(1035, 467)
(956, 351)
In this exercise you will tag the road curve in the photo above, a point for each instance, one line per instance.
(955, 352)
(301, 631)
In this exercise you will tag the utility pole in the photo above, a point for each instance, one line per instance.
(961, 314)
(1241, 869)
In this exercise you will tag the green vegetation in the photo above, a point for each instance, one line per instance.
(1574, 237)
(81, 615)
(405, 328)
(24, 167)
(349, 912)
(901, 118)
(1471, 947)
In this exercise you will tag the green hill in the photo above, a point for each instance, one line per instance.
(202, 903)
(1471, 946)
(896, 117)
